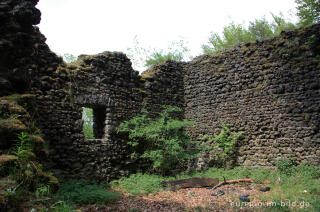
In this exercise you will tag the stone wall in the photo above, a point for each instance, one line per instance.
(107, 84)
(269, 89)
(163, 86)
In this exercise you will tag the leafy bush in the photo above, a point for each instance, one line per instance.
(83, 192)
(147, 57)
(308, 11)
(223, 145)
(234, 34)
(285, 165)
(162, 141)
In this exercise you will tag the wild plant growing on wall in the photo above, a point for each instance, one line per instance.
(162, 141)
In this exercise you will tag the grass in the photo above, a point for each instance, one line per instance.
(82, 192)
(301, 184)
(140, 184)
(62, 206)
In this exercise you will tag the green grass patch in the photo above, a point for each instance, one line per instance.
(140, 184)
(300, 184)
(83, 192)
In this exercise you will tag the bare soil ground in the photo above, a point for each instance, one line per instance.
(192, 199)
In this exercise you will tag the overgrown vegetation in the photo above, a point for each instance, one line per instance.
(302, 184)
(308, 11)
(83, 192)
(140, 184)
(21, 153)
(147, 57)
(223, 145)
(285, 166)
(161, 141)
(234, 34)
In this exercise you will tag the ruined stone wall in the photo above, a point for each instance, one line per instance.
(23, 51)
(107, 84)
(163, 86)
(106, 81)
(269, 90)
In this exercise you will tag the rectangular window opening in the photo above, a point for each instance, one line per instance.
(87, 127)
(94, 122)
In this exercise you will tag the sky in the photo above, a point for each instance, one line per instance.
(93, 26)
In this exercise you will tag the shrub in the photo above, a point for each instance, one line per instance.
(162, 141)
(84, 192)
(285, 165)
(308, 11)
(223, 145)
(234, 33)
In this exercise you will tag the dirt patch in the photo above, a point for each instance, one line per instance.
(225, 198)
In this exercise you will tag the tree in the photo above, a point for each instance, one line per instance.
(231, 35)
(146, 57)
(260, 29)
(308, 11)
(177, 51)
(234, 34)
(69, 57)
(280, 24)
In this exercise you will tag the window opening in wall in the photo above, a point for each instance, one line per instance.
(94, 122)
(87, 127)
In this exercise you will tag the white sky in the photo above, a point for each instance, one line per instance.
(94, 26)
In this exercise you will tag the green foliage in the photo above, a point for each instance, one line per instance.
(308, 11)
(234, 34)
(177, 51)
(87, 127)
(260, 29)
(62, 206)
(140, 184)
(290, 188)
(162, 141)
(223, 145)
(147, 57)
(23, 145)
(83, 192)
(285, 165)
(42, 191)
